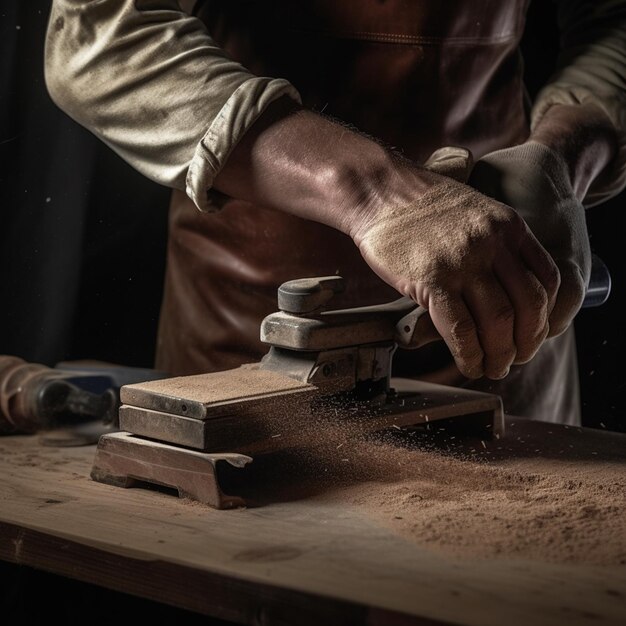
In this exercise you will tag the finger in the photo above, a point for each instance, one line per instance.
(541, 264)
(455, 324)
(530, 301)
(494, 315)
(570, 297)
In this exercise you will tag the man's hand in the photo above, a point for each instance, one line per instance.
(473, 263)
(534, 180)
(546, 180)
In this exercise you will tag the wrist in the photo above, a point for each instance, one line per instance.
(300, 162)
(366, 190)
(583, 137)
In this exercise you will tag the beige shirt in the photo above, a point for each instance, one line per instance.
(147, 78)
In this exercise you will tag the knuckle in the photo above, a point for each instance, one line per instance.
(558, 327)
(513, 222)
(504, 315)
(552, 277)
(561, 319)
(537, 338)
(496, 373)
(501, 351)
(461, 330)
(506, 227)
(467, 354)
(540, 301)
(501, 355)
(438, 277)
(577, 286)
(470, 368)
(472, 357)
(572, 288)
(497, 223)
(536, 306)
(527, 350)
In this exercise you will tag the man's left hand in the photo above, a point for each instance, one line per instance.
(533, 179)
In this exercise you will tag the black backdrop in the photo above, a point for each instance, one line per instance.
(600, 339)
(82, 235)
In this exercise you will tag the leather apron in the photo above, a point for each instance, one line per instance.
(417, 74)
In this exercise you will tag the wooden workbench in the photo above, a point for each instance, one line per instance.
(293, 562)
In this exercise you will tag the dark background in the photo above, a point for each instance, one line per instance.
(82, 256)
(599, 338)
(82, 235)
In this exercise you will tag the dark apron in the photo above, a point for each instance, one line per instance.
(417, 74)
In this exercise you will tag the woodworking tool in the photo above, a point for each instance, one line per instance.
(71, 404)
(323, 367)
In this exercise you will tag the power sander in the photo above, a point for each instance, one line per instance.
(323, 366)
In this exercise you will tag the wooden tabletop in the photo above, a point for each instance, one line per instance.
(292, 562)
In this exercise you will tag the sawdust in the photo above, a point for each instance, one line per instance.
(526, 506)
(471, 508)
(214, 388)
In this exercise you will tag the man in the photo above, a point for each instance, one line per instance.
(288, 193)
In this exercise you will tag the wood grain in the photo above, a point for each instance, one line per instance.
(295, 562)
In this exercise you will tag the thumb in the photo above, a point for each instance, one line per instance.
(451, 161)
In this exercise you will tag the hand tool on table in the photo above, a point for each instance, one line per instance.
(323, 367)
(71, 404)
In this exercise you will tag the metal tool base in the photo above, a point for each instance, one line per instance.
(125, 460)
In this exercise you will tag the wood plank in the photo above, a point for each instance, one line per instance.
(243, 432)
(205, 396)
(220, 596)
(300, 561)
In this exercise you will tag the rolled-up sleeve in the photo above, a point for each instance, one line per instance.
(148, 80)
(592, 69)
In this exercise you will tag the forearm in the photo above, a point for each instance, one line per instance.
(591, 71)
(584, 137)
(300, 162)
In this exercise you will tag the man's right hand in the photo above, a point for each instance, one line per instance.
(470, 260)
(473, 263)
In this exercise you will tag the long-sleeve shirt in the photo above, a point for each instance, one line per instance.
(146, 77)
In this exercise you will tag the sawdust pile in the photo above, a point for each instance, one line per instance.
(471, 508)
(526, 506)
